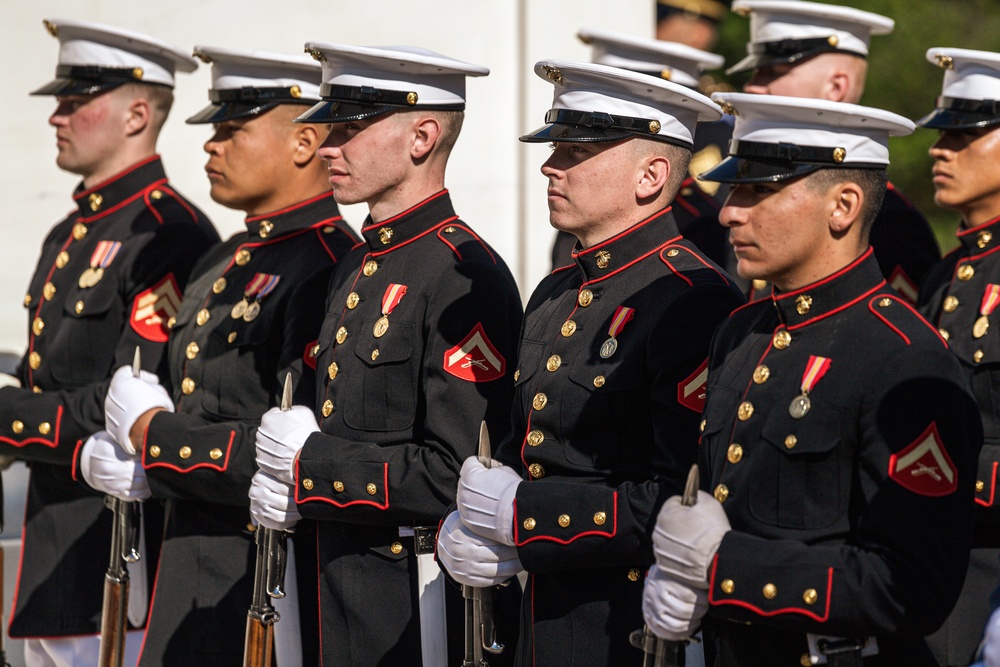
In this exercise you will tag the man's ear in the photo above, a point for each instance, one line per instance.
(653, 178)
(847, 202)
(426, 133)
(838, 86)
(138, 116)
(308, 138)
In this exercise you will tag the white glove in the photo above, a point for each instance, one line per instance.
(272, 503)
(128, 399)
(106, 468)
(281, 435)
(991, 642)
(686, 539)
(474, 560)
(8, 380)
(672, 609)
(486, 499)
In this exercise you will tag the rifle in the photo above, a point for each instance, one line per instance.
(480, 629)
(3, 628)
(124, 550)
(658, 652)
(268, 581)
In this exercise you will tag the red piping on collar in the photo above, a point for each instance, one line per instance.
(304, 202)
(978, 228)
(836, 310)
(407, 211)
(823, 281)
(125, 202)
(120, 174)
(634, 228)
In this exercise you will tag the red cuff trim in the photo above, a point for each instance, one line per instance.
(992, 485)
(822, 618)
(76, 457)
(551, 538)
(51, 444)
(220, 467)
(330, 501)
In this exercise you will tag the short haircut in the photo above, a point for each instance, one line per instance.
(873, 183)
(451, 127)
(160, 98)
(678, 156)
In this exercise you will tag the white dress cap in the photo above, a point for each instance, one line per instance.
(787, 31)
(362, 81)
(94, 57)
(601, 103)
(675, 62)
(777, 137)
(248, 83)
(970, 94)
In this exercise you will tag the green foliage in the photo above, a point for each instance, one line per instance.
(901, 80)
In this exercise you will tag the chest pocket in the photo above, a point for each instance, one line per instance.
(239, 367)
(82, 344)
(801, 477)
(386, 399)
(529, 360)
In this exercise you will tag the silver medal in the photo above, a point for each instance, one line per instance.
(799, 406)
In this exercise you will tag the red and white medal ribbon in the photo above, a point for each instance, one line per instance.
(393, 295)
(104, 254)
(991, 297)
(816, 368)
(623, 315)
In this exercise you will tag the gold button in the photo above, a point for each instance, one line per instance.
(371, 489)
(156, 195)
(307, 484)
(265, 228)
(884, 303)
(791, 441)
(600, 518)
(171, 321)
(154, 451)
(735, 453)
(215, 454)
(535, 438)
(980, 486)
(203, 317)
(727, 586)
(78, 307)
(353, 300)
(385, 235)
(529, 524)
(192, 350)
(745, 411)
(37, 325)
(984, 239)
(673, 252)
(251, 528)
(332, 370)
(568, 328)
(44, 428)
(810, 596)
(449, 230)
(79, 231)
(17, 426)
(327, 407)
(761, 374)
(759, 284)
(185, 452)
(805, 660)
(721, 493)
(770, 591)
(62, 259)
(539, 401)
(536, 470)
(782, 339)
(585, 298)
(633, 574)
(599, 381)
(314, 350)
(34, 360)
(803, 303)
(243, 257)
(341, 335)
(338, 487)
(977, 356)
(48, 291)
(702, 425)
(553, 363)
(396, 548)
(27, 300)
(517, 374)
(371, 266)
(563, 520)
(375, 354)
(36, 389)
(944, 333)
(965, 272)
(187, 386)
(219, 285)
(950, 304)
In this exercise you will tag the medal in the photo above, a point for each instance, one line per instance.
(87, 279)
(239, 310)
(816, 368)
(259, 286)
(989, 302)
(252, 311)
(101, 258)
(622, 316)
(393, 295)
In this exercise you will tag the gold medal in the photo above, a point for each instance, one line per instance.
(239, 309)
(252, 311)
(799, 406)
(98, 274)
(609, 347)
(981, 326)
(381, 326)
(86, 279)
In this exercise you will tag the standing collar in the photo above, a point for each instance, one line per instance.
(625, 248)
(831, 294)
(293, 218)
(981, 238)
(415, 221)
(108, 195)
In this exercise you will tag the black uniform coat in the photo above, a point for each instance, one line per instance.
(951, 299)
(148, 237)
(399, 414)
(602, 440)
(225, 372)
(851, 520)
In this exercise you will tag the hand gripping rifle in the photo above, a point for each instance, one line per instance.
(124, 550)
(659, 652)
(268, 581)
(480, 630)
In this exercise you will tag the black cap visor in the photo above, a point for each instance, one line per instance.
(784, 52)
(333, 111)
(89, 80)
(758, 162)
(570, 125)
(740, 170)
(954, 113)
(344, 103)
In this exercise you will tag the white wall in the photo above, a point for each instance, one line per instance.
(493, 178)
